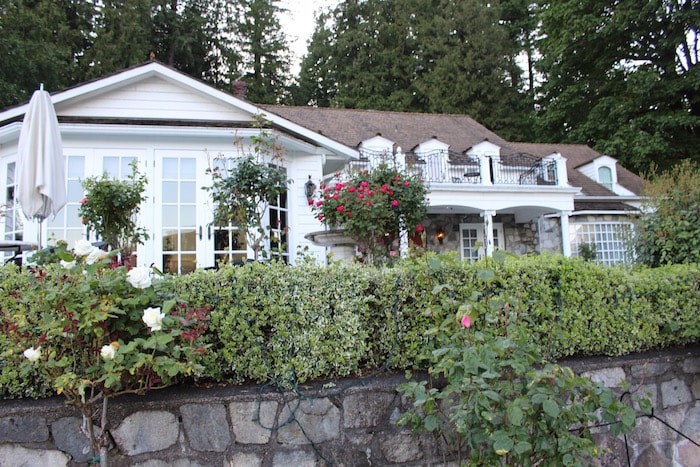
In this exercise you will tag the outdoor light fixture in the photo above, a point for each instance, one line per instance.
(440, 235)
(309, 188)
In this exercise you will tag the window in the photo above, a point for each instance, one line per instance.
(67, 225)
(13, 220)
(279, 226)
(607, 239)
(472, 241)
(605, 177)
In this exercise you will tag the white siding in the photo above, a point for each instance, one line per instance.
(153, 98)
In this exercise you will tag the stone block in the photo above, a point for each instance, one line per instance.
(366, 409)
(243, 459)
(675, 392)
(18, 456)
(173, 463)
(206, 426)
(649, 370)
(691, 423)
(308, 421)
(146, 431)
(653, 456)
(648, 430)
(691, 365)
(401, 447)
(69, 437)
(608, 377)
(294, 459)
(611, 451)
(686, 454)
(696, 387)
(23, 429)
(252, 422)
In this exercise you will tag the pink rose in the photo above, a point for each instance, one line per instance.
(419, 228)
(406, 183)
(466, 321)
(340, 208)
(394, 203)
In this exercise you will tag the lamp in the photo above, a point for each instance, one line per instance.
(309, 188)
(440, 235)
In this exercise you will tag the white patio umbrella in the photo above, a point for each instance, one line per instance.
(41, 174)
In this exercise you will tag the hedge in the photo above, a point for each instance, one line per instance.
(272, 323)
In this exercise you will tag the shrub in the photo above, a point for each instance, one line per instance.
(290, 324)
(502, 402)
(372, 207)
(668, 232)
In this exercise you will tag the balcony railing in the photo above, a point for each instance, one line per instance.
(523, 169)
(452, 167)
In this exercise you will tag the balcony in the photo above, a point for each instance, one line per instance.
(449, 167)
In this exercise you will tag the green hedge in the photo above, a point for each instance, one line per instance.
(286, 325)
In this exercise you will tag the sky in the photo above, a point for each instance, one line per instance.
(298, 24)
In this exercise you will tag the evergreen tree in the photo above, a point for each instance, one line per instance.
(623, 78)
(42, 41)
(418, 55)
(262, 56)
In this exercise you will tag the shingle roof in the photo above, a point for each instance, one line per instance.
(350, 127)
(408, 130)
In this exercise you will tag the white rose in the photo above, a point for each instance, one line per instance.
(139, 277)
(109, 351)
(67, 264)
(153, 318)
(33, 354)
(95, 255)
(82, 247)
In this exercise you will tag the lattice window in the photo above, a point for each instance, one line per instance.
(609, 240)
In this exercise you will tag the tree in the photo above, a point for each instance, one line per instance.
(43, 41)
(417, 55)
(669, 229)
(637, 97)
(245, 187)
(262, 55)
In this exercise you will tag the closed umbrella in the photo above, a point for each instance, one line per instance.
(41, 175)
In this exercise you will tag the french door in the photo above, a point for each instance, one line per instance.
(182, 240)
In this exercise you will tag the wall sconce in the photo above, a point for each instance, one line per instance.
(309, 188)
(440, 235)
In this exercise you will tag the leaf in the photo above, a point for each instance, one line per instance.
(522, 447)
(515, 415)
(551, 408)
(502, 443)
(486, 275)
(431, 423)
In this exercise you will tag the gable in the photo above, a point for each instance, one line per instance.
(153, 97)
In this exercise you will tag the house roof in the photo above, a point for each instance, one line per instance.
(350, 126)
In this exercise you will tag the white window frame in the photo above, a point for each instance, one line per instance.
(607, 236)
(498, 238)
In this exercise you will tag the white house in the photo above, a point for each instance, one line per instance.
(483, 190)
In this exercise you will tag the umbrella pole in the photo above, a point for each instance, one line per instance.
(41, 220)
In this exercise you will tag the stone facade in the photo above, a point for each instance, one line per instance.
(347, 423)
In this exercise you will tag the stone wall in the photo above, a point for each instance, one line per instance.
(344, 423)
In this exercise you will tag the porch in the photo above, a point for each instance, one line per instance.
(450, 167)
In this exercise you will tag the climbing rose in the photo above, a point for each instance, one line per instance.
(109, 351)
(394, 203)
(139, 277)
(33, 354)
(419, 228)
(153, 318)
(466, 321)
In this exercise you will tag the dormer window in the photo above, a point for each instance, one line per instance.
(605, 177)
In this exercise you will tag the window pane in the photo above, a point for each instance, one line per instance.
(170, 216)
(188, 240)
(187, 168)
(75, 167)
(188, 192)
(170, 192)
(187, 216)
(170, 168)
(110, 165)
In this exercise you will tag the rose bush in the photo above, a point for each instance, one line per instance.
(95, 330)
(373, 207)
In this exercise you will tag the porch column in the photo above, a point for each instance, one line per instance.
(485, 169)
(565, 240)
(403, 239)
(488, 231)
